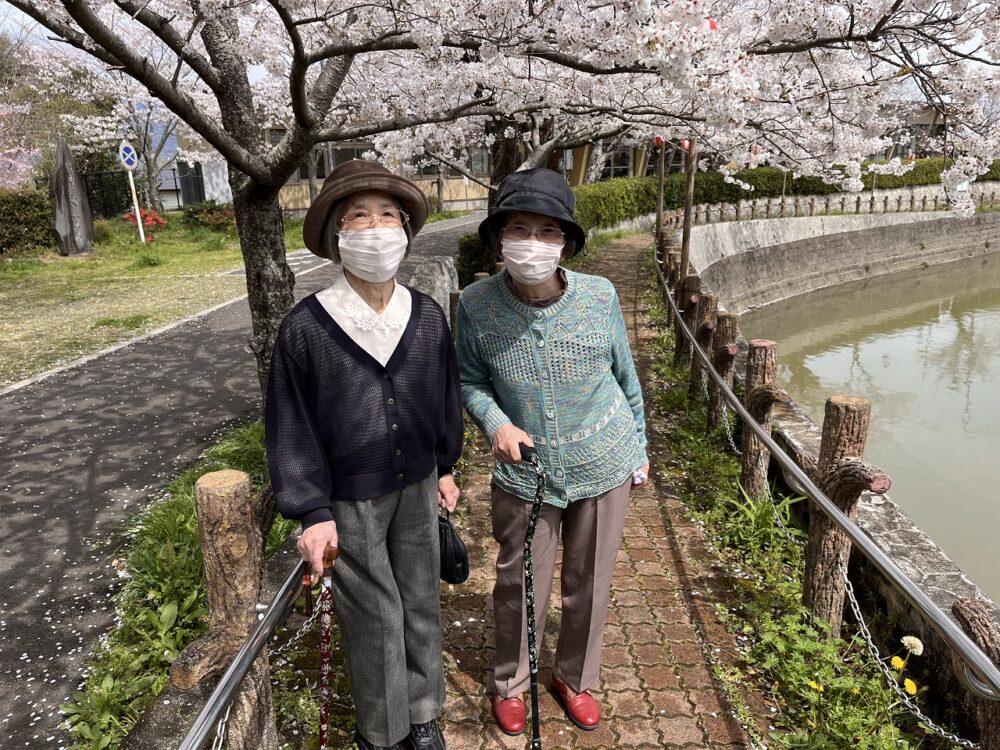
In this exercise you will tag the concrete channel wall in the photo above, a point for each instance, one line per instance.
(753, 263)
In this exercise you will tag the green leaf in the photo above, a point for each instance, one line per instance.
(168, 616)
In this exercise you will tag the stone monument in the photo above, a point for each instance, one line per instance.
(71, 210)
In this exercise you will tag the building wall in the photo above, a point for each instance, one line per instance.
(459, 194)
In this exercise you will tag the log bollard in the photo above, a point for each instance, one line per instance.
(724, 361)
(232, 549)
(759, 395)
(975, 619)
(842, 476)
(688, 303)
(480, 275)
(704, 332)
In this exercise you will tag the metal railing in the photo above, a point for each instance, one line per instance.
(979, 674)
(231, 679)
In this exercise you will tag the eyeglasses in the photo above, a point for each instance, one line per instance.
(548, 235)
(390, 217)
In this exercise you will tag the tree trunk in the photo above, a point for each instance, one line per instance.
(260, 225)
(311, 170)
(505, 154)
(596, 166)
(153, 178)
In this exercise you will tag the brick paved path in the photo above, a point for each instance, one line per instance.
(657, 688)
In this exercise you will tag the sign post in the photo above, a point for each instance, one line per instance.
(130, 160)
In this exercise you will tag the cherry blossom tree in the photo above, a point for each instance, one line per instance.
(811, 85)
(16, 158)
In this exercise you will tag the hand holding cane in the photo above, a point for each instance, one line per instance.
(330, 554)
(530, 455)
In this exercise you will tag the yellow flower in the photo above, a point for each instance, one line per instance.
(856, 690)
(912, 644)
(897, 663)
(910, 686)
(815, 686)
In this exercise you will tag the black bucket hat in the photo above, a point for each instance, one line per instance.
(538, 191)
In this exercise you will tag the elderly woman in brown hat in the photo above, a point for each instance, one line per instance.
(363, 425)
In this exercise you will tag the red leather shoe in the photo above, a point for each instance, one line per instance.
(510, 714)
(581, 708)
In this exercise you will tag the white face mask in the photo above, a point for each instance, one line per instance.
(372, 254)
(530, 261)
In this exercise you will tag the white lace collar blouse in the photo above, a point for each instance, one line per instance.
(377, 334)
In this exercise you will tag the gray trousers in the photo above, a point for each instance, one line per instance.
(387, 599)
(591, 531)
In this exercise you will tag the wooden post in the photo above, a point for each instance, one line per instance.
(688, 303)
(691, 166)
(660, 181)
(759, 395)
(480, 275)
(975, 619)
(704, 331)
(842, 476)
(724, 361)
(232, 548)
(453, 308)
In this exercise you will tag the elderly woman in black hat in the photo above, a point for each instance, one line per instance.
(363, 425)
(545, 362)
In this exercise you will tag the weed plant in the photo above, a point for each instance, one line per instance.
(826, 694)
(161, 605)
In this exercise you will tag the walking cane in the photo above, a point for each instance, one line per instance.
(531, 456)
(326, 611)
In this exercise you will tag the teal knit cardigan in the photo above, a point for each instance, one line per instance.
(564, 374)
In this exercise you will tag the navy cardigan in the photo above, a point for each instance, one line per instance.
(340, 426)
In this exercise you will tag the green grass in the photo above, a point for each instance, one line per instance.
(161, 607)
(442, 215)
(131, 323)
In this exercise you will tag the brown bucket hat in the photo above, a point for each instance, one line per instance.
(353, 177)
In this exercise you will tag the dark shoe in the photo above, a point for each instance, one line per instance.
(581, 708)
(426, 736)
(510, 714)
(364, 744)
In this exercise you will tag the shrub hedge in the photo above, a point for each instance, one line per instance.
(25, 220)
(219, 217)
(604, 204)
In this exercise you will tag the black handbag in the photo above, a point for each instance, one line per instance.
(454, 558)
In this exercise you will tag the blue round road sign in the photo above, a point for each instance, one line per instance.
(128, 155)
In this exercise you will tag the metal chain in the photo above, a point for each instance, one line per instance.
(303, 629)
(219, 741)
(725, 418)
(901, 694)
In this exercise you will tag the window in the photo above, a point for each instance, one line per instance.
(319, 155)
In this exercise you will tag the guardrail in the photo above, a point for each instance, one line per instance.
(219, 701)
(979, 674)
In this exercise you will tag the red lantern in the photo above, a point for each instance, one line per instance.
(710, 24)
(685, 144)
(657, 141)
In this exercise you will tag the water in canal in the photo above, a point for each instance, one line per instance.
(924, 348)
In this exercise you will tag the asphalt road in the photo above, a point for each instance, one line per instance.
(83, 448)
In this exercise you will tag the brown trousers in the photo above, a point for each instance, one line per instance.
(591, 532)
